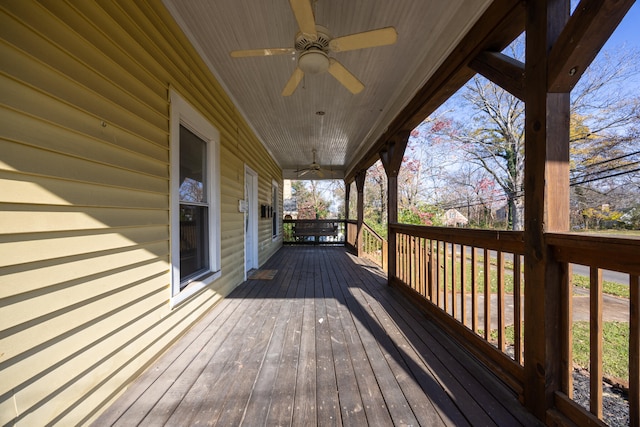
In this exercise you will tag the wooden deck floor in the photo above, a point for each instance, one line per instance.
(325, 342)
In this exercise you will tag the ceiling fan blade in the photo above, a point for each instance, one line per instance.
(304, 15)
(261, 52)
(293, 82)
(303, 172)
(373, 38)
(345, 77)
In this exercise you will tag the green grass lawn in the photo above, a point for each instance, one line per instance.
(610, 288)
(615, 346)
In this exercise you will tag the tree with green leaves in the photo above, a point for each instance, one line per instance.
(310, 200)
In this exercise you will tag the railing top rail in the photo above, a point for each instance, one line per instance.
(608, 252)
(372, 231)
(500, 240)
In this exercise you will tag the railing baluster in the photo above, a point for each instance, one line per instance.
(401, 241)
(634, 351)
(463, 283)
(517, 308)
(438, 273)
(423, 268)
(445, 281)
(432, 271)
(409, 259)
(412, 260)
(417, 265)
(487, 295)
(500, 295)
(399, 257)
(474, 290)
(567, 330)
(595, 342)
(454, 302)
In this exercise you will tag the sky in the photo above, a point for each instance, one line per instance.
(628, 30)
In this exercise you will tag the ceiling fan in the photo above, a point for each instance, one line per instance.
(313, 168)
(313, 43)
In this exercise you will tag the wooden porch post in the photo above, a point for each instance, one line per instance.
(392, 160)
(546, 190)
(347, 198)
(360, 177)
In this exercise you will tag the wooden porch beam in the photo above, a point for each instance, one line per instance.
(393, 153)
(506, 72)
(588, 29)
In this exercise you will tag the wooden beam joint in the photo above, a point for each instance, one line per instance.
(393, 153)
(506, 72)
(586, 31)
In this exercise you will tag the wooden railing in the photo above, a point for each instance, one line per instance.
(449, 269)
(352, 234)
(472, 282)
(598, 253)
(372, 246)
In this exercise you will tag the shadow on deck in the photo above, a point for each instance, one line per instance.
(325, 342)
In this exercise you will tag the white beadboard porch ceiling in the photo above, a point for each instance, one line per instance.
(428, 30)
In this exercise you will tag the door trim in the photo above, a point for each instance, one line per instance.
(252, 213)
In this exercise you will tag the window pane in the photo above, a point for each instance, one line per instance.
(192, 167)
(194, 251)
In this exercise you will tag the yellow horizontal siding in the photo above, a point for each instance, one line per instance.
(19, 188)
(40, 219)
(97, 296)
(84, 200)
(78, 61)
(113, 104)
(49, 275)
(34, 102)
(17, 127)
(30, 248)
(32, 160)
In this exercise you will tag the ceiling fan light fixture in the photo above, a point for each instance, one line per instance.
(313, 61)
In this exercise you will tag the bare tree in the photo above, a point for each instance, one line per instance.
(603, 114)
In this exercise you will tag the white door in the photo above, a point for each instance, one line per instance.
(250, 219)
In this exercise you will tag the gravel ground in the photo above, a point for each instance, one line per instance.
(615, 406)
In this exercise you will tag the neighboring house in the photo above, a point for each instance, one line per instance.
(290, 208)
(107, 121)
(453, 218)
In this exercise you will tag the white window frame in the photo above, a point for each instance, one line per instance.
(276, 211)
(182, 113)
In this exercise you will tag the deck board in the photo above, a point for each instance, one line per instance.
(325, 342)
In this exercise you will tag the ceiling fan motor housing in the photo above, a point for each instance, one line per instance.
(313, 57)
